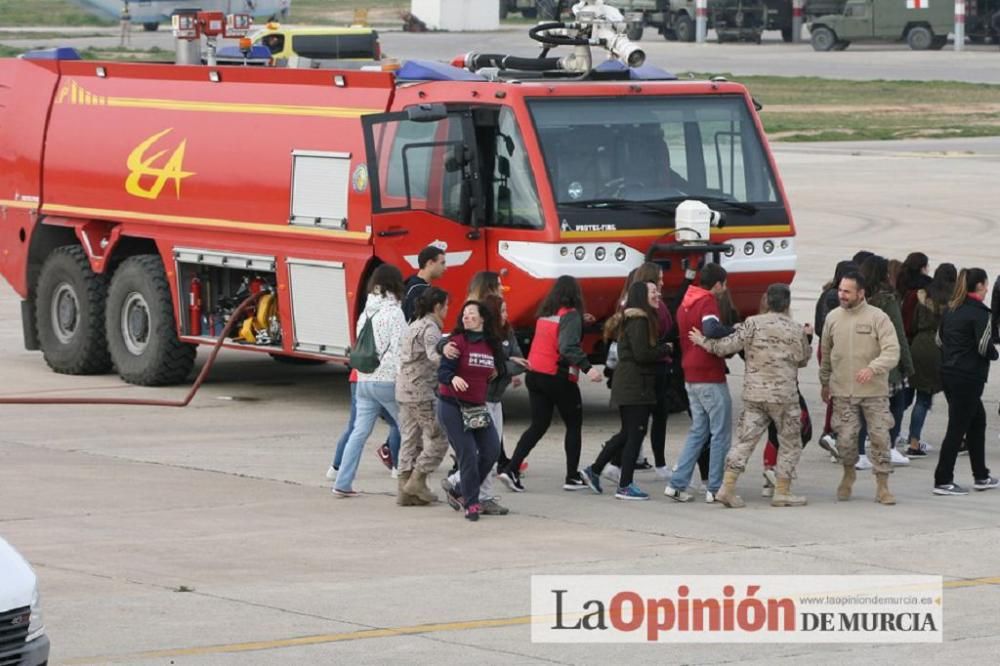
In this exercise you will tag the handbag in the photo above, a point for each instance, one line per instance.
(475, 417)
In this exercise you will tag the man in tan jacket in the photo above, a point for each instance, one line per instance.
(859, 347)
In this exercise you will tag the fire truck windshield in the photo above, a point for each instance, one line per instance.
(631, 160)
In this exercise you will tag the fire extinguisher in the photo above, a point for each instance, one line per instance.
(257, 285)
(194, 306)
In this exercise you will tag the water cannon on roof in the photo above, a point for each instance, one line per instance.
(595, 25)
(190, 25)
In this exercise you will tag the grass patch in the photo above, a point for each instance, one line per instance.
(341, 12)
(815, 109)
(47, 12)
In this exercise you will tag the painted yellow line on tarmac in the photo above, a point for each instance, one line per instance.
(364, 634)
(307, 640)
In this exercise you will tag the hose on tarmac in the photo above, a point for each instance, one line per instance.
(143, 402)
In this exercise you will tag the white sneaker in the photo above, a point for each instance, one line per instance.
(829, 444)
(709, 497)
(677, 495)
(898, 458)
(925, 447)
(863, 463)
(612, 472)
(663, 473)
(394, 473)
(903, 440)
(331, 473)
(834, 459)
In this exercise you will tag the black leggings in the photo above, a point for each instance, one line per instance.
(657, 430)
(625, 445)
(966, 419)
(545, 394)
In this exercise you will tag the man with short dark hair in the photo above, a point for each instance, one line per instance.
(430, 266)
(775, 347)
(859, 348)
(705, 380)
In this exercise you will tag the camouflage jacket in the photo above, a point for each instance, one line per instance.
(418, 361)
(775, 347)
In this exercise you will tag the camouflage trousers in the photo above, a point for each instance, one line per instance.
(753, 423)
(424, 443)
(846, 422)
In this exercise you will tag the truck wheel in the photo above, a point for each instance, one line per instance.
(823, 39)
(142, 331)
(69, 314)
(150, 27)
(939, 42)
(919, 38)
(530, 12)
(684, 28)
(634, 32)
(786, 35)
(668, 34)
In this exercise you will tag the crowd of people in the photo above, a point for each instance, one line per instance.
(891, 337)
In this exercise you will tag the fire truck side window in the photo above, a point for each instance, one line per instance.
(515, 197)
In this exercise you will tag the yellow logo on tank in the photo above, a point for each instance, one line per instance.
(142, 168)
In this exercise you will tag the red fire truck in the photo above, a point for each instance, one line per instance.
(140, 202)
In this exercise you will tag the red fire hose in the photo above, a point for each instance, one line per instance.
(233, 319)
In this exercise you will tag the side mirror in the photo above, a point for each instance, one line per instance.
(503, 166)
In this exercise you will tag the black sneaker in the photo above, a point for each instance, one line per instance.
(950, 489)
(989, 483)
(643, 466)
(915, 453)
(512, 480)
(452, 494)
(472, 513)
(576, 482)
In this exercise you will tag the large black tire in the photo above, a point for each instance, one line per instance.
(823, 39)
(69, 314)
(634, 32)
(919, 38)
(150, 27)
(142, 331)
(684, 28)
(786, 35)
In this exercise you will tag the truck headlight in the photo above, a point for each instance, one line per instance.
(36, 627)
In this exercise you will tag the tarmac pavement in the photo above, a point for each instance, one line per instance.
(208, 535)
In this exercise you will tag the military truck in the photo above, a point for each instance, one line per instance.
(922, 24)
(542, 9)
(675, 19)
(779, 13)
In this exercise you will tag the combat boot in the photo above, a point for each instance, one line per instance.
(417, 487)
(846, 483)
(727, 494)
(783, 494)
(404, 498)
(882, 494)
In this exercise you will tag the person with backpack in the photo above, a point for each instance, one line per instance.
(633, 390)
(556, 359)
(967, 348)
(375, 356)
(431, 266)
(424, 442)
(462, 392)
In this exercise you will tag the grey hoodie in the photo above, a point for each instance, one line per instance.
(388, 325)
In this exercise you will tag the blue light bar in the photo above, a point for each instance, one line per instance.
(61, 53)
(428, 70)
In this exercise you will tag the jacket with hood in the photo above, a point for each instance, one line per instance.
(923, 347)
(500, 383)
(854, 339)
(887, 302)
(698, 308)
(388, 325)
(638, 358)
(419, 360)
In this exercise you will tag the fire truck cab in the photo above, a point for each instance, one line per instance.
(139, 203)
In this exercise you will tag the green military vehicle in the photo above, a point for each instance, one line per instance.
(923, 24)
(675, 19)
(779, 13)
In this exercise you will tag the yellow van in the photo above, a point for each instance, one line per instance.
(318, 43)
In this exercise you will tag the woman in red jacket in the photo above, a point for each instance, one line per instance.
(461, 407)
(555, 360)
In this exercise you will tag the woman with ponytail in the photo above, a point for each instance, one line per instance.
(967, 347)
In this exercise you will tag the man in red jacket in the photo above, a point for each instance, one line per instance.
(705, 380)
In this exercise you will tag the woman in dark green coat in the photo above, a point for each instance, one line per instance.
(926, 381)
(633, 390)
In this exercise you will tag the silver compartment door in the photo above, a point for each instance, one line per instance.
(320, 183)
(319, 306)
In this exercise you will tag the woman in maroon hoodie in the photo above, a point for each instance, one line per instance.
(462, 393)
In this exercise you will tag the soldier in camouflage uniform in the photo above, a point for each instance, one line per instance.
(775, 348)
(859, 349)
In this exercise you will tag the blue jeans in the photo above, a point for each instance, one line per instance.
(711, 414)
(371, 398)
(394, 437)
(921, 406)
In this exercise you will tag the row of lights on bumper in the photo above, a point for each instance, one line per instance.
(580, 253)
(767, 247)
